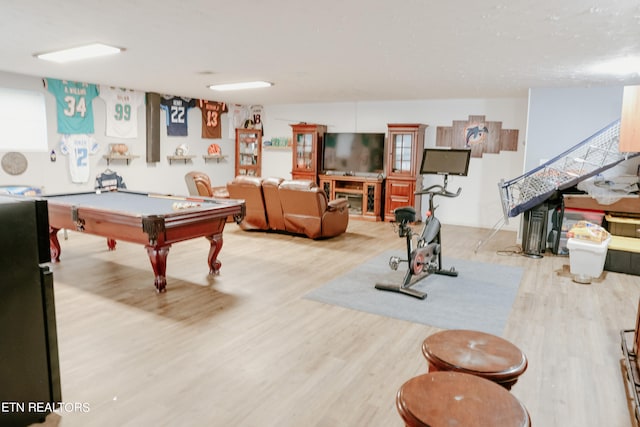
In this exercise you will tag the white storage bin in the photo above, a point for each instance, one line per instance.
(586, 258)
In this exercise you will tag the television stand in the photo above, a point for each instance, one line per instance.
(364, 194)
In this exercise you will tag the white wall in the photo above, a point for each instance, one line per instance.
(560, 118)
(478, 205)
(138, 175)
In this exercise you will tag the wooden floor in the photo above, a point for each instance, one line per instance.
(245, 349)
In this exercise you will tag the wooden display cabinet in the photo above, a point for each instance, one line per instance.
(248, 152)
(307, 150)
(363, 193)
(629, 128)
(405, 144)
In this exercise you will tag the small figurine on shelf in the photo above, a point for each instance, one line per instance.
(182, 150)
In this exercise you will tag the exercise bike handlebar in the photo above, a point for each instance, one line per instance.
(438, 190)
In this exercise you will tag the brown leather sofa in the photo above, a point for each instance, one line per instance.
(292, 206)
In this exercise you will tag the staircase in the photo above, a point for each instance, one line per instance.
(595, 154)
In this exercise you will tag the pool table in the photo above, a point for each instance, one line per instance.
(154, 220)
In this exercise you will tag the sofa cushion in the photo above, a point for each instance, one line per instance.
(297, 184)
(272, 203)
(249, 189)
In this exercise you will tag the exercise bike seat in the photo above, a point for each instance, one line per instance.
(405, 214)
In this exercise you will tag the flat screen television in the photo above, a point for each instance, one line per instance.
(441, 161)
(353, 152)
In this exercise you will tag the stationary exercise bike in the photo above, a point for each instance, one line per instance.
(425, 256)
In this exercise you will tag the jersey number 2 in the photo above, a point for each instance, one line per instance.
(81, 156)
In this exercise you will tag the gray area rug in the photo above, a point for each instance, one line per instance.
(479, 298)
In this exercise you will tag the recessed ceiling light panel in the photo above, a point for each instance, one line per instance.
(78, 53)
(618, 66)
(240, 86)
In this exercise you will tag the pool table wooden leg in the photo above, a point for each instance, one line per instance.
(54, 244)
(214, 250)
(111, 244)
(158, 258)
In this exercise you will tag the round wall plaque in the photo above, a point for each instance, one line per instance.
(14, 163)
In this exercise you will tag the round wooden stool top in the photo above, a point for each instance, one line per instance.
(476, 353)
(440, 399)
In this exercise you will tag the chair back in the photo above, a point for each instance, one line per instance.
(303, 206)
(198, 184)
(249, 189)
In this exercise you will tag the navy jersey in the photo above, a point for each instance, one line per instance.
(176, 112)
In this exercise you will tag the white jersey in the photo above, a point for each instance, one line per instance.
(122, 111)
(256, 114)
(237, 115)
(78, 147)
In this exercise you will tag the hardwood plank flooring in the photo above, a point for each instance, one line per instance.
(245, 349)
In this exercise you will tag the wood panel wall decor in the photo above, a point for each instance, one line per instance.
(153, 127)
(478, 134)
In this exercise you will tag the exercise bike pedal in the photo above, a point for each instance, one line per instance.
(394, 262)
(450, 272)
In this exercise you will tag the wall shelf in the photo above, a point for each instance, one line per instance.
(126, 157)
(276, 148)
(216, 157)
(185, 159)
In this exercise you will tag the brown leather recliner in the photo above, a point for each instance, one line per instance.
(199, 184)
(249, 189)
(307, 211)
(272, 203)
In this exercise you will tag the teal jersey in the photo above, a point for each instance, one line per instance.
(74, 108)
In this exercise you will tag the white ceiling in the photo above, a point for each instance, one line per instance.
(327, 51)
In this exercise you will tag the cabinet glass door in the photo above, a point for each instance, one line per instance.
(248, 161)
(304, 151)
(402, 152)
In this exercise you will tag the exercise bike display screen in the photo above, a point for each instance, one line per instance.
(439, 161)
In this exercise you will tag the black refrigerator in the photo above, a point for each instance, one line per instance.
(29, 368)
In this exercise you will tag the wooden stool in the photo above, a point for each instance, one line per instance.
(457, 399)
(477, 353)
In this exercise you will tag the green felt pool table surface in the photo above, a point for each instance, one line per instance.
(154, 220)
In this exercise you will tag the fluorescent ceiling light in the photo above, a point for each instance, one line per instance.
(619, 66)
(239, 86)
(82, 52)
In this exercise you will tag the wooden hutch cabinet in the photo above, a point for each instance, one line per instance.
(307, 150)
(248, 152)
(629, 127)
(405, 144)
